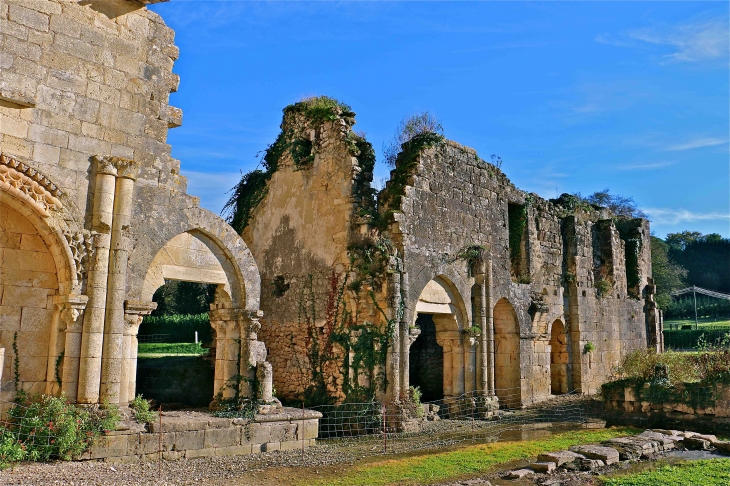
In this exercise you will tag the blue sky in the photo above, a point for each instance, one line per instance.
(574, 96)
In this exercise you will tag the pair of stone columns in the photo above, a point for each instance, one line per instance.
(240, 358)
(101, 356)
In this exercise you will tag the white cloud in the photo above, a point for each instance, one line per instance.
(702, 40)
(698, 143)
(677, 216)
(211, 188)
(655, 165)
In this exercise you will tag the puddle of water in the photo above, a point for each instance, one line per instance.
(693, 455)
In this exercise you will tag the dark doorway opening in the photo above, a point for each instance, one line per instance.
(426, 361)
(174, 365)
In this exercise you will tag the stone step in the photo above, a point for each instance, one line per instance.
(560, 457)
(608, 455)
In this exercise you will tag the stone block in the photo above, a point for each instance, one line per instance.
(697, 444)
(189, 439)
(236, 450)
(519, 473)
(559, 457)
(29, 18)
(222, 437)
(543, 467)
(271, 446)
(592, 451)
(111, 446)
(193, 453)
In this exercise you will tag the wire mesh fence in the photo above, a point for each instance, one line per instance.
(697, 340)
(153, 338)
(374, 428)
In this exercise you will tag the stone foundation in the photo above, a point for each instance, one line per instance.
(194, 434)
(689, 405)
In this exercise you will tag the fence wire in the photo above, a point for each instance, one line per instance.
(375, 428)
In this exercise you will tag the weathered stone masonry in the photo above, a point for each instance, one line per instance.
(93, 211)
(548, 305)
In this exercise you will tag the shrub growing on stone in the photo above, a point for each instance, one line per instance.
(141, 410)
(49, 427)
(417, 124)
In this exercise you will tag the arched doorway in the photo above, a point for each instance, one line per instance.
(507, 377)
(442, 359)
(559, 358)
(197, 257)
(426, 369)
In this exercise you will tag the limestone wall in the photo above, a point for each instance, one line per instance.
(84, 114)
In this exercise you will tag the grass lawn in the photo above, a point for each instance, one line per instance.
(702, 322)
(709, 472)
(462, 463)
(170, 349)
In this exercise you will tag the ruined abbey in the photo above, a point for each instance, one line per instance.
(449, 279)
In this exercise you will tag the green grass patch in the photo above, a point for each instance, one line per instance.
(702, 322)
(708, 472)
(464, 462)
(178, 349)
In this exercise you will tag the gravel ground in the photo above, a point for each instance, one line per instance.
(209, 471)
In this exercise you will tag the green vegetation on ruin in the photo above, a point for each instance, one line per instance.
(253, 186)
(708, 472)
(464, 462)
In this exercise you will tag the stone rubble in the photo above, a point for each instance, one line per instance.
(643, 446)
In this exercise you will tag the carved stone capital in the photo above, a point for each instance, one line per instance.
(139, 307)
(413, 334)
(116, 166)
(71, 307)
(134, 312)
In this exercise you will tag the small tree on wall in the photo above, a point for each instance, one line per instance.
(416, 124)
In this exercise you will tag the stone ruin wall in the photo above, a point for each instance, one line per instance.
(299, 234)
(452, 200)
(87, 177)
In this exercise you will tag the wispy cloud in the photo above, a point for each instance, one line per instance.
(677, 216)
(702, 40)
(654, 165)
(698, 143)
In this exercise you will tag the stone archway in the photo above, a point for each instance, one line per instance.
(507, 375)
(40, 275)
(559, 359)
(441, 311)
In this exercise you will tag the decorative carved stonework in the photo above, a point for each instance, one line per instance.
(81, 244)
(71, 307)
(16, 175)
(117, 166)
(134, 312)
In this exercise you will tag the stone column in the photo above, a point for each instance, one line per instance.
(70, 309)
(487, 297)
(484, 385)
(96, 286)
(393, 362)
(111, 366)
(457, 347)
(134, 312)
(228, 350)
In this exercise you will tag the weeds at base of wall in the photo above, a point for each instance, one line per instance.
(45, 427)
(141, 410)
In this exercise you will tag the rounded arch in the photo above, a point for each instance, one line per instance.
(559, 358)
(46, 214)
(507, 375)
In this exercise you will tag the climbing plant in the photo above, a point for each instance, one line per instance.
(292, 140)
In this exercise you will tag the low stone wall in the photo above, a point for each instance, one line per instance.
(195, 434)
(697, 405)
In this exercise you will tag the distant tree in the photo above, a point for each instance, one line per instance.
(706, 258)
(679, 241)
(177, 297)
(409, 127)
(668, 275)
(619, 205)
